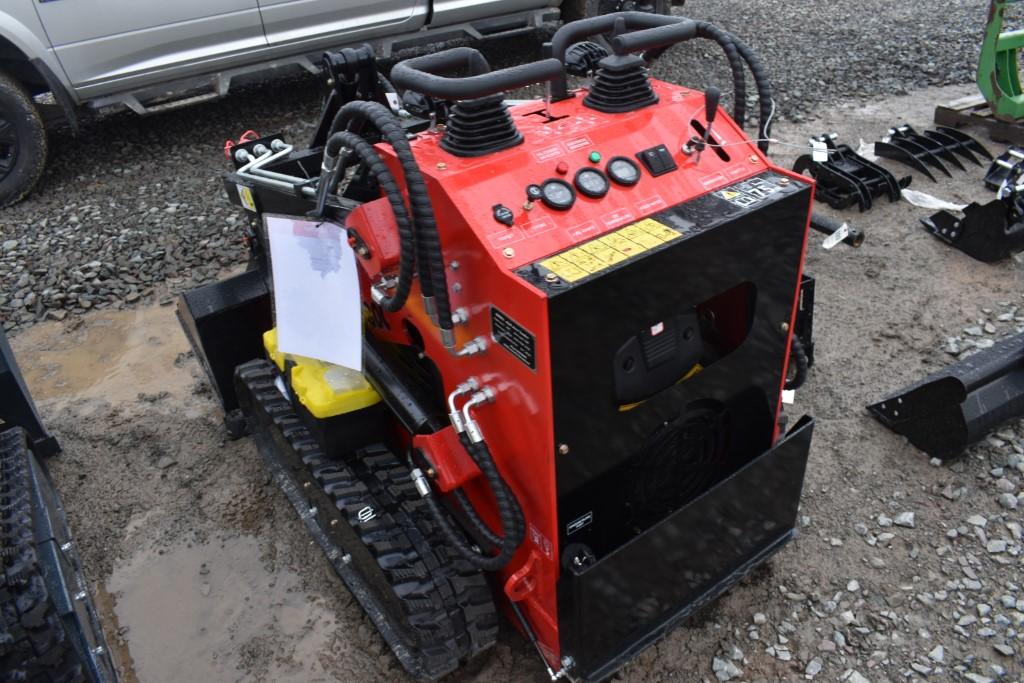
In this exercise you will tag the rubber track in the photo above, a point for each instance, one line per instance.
(33, 643)
(446, 604)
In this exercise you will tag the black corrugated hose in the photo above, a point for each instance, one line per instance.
(406, 237)
(803, 364)
(433, 282)
(735, 51)
(510, 512)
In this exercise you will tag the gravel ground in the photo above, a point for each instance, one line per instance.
(904, 570)
(130, 211)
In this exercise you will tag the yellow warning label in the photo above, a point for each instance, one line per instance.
(563, 269)
(729, 194)
(606, 251)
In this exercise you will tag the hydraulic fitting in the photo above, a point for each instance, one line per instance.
(484, 396)
(420, 481)
(467, 387)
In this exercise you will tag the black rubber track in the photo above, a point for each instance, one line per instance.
(41, 641)
(439, 609)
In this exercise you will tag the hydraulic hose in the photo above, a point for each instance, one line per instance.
(735, 51)
(739, 84)
(406, 237)
(509, 512)
(433, 281)
(764, 91)
(799, 354)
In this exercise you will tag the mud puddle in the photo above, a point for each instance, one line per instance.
(217, 611)
(112, 355)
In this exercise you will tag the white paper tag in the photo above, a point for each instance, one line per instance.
(838, 236)
(819, 151)
(317, 305)
(788, 396)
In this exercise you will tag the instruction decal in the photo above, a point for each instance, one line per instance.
(515, 338)
(604, 252)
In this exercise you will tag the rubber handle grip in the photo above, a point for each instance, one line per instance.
(654, 38)
(712, 96)
(575, 31)
(426, 74)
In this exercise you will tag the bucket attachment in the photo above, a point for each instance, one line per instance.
(948, 410)
(988, 232)
(999, 172)
(846, 178)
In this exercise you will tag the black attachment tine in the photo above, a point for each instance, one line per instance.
(935, 147)
(953, 144)
(890, 151)
(966, 140)
(922, 153)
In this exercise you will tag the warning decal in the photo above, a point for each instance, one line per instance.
(749, 193)
(611, 249)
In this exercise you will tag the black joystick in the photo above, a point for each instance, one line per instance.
(697, 144)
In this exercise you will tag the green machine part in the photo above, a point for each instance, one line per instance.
(998, 69)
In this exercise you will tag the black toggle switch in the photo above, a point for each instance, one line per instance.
(657, 160)
(504, 215)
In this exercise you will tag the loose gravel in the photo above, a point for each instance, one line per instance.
(132, 211)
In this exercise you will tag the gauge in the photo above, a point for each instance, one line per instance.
(557, 194)
(592, 182)
(624, 171)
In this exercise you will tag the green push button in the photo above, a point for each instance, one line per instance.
(595, 157)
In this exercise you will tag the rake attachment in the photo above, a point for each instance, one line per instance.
(936, 148)
(950, 409)
(845, 178)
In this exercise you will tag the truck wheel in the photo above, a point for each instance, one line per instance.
(22, 142)
(584, 9)
(49, 630)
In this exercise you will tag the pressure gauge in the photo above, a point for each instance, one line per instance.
(623, 171)
(557, 194)
(592, 182)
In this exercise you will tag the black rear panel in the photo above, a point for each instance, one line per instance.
(666, 371)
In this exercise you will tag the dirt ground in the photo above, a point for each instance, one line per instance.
(203, 573)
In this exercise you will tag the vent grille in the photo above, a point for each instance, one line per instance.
(677, 464)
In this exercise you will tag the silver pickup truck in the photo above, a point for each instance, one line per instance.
(63, 59)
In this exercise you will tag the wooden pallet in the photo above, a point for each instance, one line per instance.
(974, 111)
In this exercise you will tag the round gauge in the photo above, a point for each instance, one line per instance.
(624, 171)
(592, 182)
(557, 194)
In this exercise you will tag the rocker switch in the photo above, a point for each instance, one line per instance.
(503, 215)
(657, 160)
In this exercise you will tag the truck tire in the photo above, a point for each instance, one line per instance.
(49, 630)
(584, 9)
(22, 141)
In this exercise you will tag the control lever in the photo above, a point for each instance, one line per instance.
(697, 144)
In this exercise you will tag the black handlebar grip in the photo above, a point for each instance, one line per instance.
(576, 31)
(426, 74)
(654, 38)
